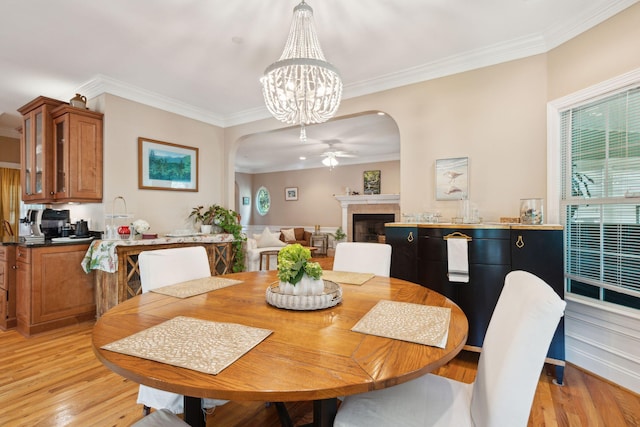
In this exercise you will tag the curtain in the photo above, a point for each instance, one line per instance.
(10, 198)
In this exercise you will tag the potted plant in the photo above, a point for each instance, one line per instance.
(297, 275)
(204, 216)
(338, 236)
(227, 221)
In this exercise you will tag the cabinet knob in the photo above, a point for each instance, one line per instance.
(520, 242)
(410, 237)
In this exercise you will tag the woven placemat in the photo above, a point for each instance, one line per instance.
(346, 277)
(196, 287)
(422, 324)
(197, 344)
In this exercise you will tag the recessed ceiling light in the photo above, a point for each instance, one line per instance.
(303, 158)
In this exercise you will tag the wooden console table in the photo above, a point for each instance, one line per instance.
(117, 271)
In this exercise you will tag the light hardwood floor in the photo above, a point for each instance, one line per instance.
(53, 379)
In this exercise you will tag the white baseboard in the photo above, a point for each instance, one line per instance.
(603, 339)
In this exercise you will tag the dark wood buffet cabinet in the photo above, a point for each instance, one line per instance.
(419, 254)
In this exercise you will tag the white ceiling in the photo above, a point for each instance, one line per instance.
(203, 59)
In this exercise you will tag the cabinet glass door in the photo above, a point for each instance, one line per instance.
(39, 153)
(28, 161)
(60, 157)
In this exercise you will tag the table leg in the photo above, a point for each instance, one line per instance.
(193, 414)
(324, 412)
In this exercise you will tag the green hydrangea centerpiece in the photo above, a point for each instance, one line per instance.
(293, 263)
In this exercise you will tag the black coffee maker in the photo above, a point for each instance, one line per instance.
(52, 222)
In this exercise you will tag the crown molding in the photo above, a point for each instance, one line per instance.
(523, 47)
(584, 21)
(104, 84)
(9, 133)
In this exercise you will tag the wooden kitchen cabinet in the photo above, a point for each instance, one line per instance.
(52, 289)
(77, 137)
(36, 153)
(493, 252)
(61, 153)
(7, 287)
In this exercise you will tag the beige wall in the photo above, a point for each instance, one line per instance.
(9, 150)
(124, 122)
(606, 51)
(495, 116)
(316, 188)
(244, 188)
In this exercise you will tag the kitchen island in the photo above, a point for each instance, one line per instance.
(116, 269)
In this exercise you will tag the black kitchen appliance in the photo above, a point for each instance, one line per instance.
(53, 220)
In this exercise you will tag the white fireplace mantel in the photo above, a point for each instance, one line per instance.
(368, 199)
(365, 199)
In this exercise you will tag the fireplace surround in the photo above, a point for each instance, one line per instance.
(378, 204)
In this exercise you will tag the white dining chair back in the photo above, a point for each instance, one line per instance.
(512, 357)
(164, 267)
(361, 257)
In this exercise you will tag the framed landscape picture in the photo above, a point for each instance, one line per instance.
(166, 166)
(371, 182)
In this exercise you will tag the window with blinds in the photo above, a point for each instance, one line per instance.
(600, 143)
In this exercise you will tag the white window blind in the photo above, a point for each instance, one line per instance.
(600, 143)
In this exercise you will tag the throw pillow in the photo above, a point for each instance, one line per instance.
(268, 239)
(289, 234)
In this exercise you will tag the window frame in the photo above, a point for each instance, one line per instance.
(259, 209)
(555, 183)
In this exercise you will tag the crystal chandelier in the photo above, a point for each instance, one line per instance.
(302, 87)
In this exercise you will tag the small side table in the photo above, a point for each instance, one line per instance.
(267, 255)
(323, 241)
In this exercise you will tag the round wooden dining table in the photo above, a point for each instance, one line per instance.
(310, 356)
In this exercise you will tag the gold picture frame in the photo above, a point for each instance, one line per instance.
(167, 166)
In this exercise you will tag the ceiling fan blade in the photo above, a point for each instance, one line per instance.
(344, 154)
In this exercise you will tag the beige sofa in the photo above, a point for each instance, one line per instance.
(271, 241)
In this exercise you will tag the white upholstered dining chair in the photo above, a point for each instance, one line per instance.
(512, 357)
(360, 257)
(164, 267)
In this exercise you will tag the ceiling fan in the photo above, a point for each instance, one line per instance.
(332, 152)
(331, 155)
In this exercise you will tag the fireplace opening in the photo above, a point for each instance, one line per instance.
(370, 227)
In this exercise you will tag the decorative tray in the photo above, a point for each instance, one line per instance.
(332, 296)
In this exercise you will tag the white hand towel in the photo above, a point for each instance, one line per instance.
(458, 260)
